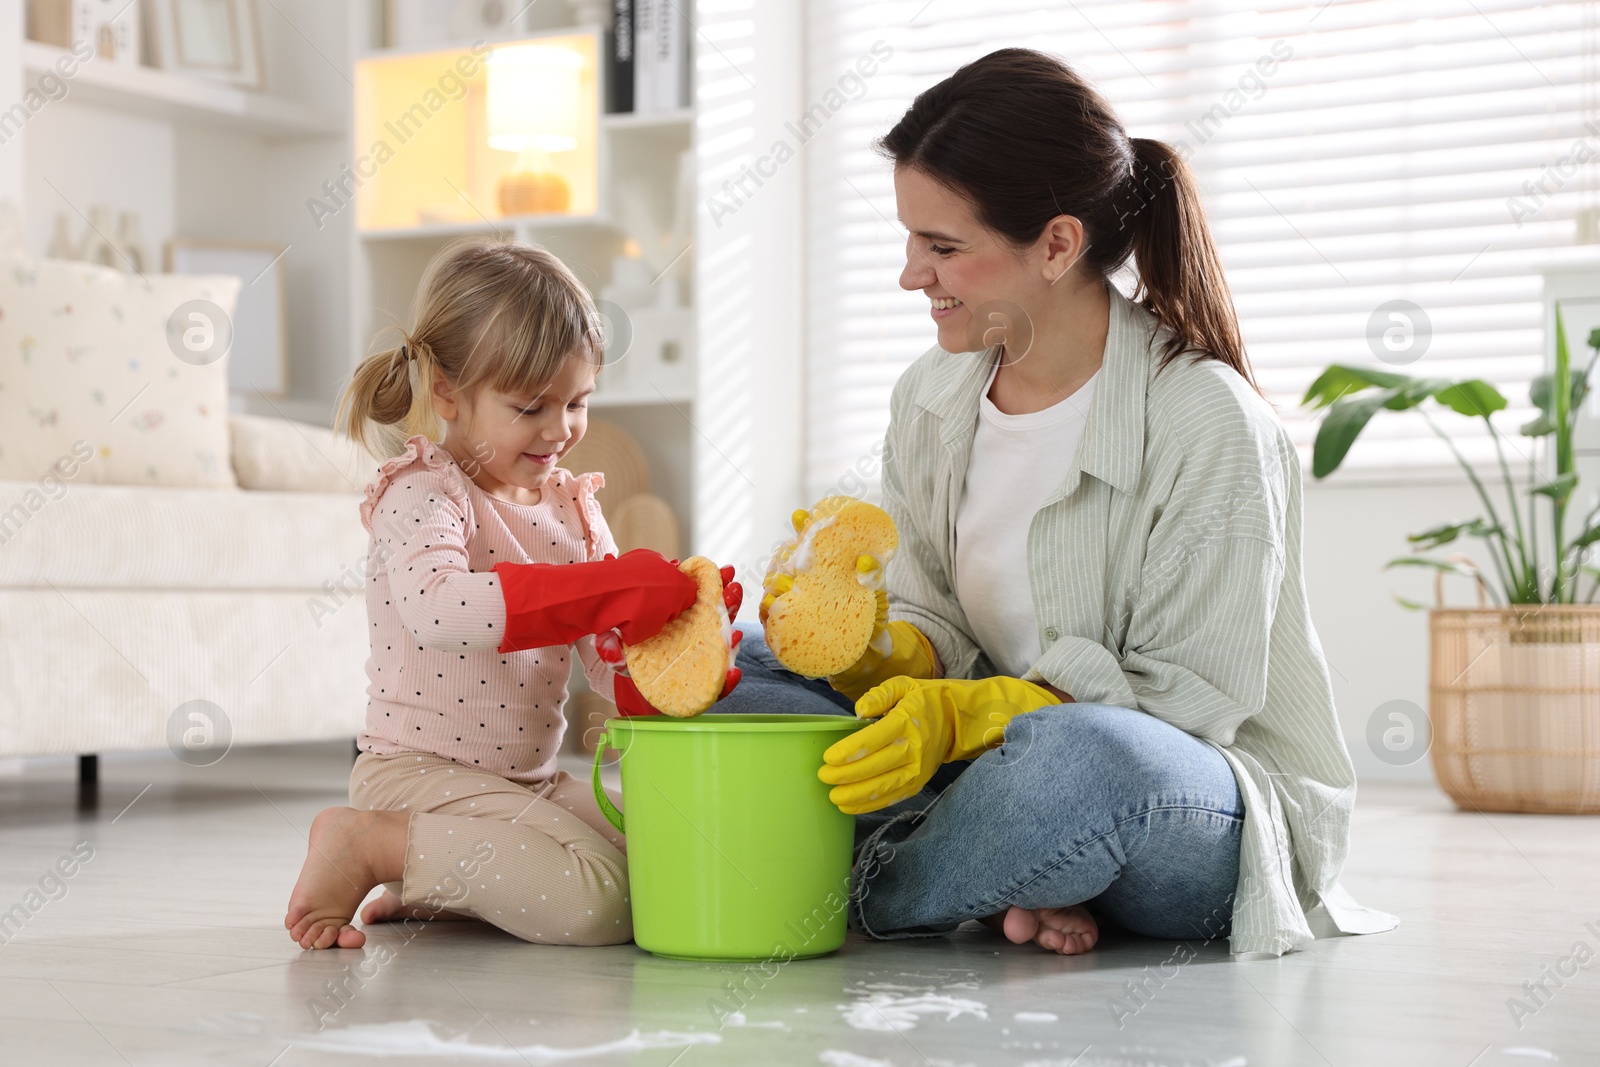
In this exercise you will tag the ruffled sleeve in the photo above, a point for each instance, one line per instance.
(419, 454)
(581, 489)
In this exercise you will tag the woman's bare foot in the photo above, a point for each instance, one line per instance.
(350, 852)
(388, 908)
(1068, 931)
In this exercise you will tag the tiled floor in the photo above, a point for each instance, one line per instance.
(166, 948)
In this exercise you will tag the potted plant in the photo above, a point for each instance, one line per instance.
(1514, 698)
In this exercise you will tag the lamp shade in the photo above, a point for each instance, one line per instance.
(533, 98)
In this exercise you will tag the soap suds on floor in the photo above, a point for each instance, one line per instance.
(737, 1018)
(1035, 1017)
(888, 1013)
(416, 1037)
(836, 1058)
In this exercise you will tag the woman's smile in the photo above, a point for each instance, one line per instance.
(944, 307)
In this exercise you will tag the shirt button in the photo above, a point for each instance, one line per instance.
(1051, 633)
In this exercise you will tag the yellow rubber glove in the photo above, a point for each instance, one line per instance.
(921, 724)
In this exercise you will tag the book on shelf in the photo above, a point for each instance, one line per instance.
(620, 58)
(655, 76)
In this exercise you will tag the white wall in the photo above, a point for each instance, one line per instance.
(1378, 651)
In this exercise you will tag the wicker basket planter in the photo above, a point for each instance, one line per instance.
(1515, 707)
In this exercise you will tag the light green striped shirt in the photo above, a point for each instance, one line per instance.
(1166, 576)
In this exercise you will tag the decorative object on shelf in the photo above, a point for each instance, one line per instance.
(1515, 692)
(417, 24)
(62, 246)
(533, 111)
(215, 40)
(646, 521)
(130, 242)
(438, 131)
(259, 359)
(98, 244)
(611, 450)
(111, 27)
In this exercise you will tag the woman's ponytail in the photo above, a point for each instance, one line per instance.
(1181, 280)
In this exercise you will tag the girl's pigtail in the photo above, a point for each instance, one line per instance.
(381, 394)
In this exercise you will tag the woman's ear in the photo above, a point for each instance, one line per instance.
(444, 395)
(1063, 244)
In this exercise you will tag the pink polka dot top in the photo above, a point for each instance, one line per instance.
(436, 682)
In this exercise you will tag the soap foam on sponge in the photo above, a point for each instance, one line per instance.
(822, 618)
(682, 669)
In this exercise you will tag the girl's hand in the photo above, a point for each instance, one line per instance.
(608, 646)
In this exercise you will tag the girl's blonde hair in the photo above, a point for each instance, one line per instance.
(488, 312)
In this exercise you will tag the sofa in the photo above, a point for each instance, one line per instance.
(172, 574)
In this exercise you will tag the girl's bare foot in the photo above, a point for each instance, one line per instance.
(388, 908)
(350, 852)
(1068, 931)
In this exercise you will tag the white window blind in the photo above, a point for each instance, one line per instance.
(1421, 150)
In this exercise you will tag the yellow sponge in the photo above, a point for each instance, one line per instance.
(681, 670)
(821, 618)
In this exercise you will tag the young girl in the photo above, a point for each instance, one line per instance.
(488, 565)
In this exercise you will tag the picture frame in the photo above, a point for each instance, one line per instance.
(213, 40)
(258, 362)
(413, 25)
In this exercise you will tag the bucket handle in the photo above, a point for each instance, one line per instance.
(608, 809)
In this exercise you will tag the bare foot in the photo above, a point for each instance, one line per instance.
(388, 908)
(350, 852)
(1068, 931)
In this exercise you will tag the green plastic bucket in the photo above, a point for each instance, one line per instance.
(734, 850)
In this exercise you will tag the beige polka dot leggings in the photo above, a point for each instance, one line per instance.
(538, 861)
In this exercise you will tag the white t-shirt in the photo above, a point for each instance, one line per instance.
(1017, 462)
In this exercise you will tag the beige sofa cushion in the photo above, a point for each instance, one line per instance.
(295, 457)
(91, 354)
(70, 535)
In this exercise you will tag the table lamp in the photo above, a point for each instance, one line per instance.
(533, 103)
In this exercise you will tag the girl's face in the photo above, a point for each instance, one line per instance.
(978, 284)
(507, 443)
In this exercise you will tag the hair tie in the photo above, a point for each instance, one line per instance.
(405, 352)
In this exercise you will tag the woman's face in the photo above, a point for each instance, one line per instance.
(978, 283)
(504, 441)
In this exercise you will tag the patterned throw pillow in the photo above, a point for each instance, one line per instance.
(135, 367)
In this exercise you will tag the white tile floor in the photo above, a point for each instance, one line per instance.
(166, 948)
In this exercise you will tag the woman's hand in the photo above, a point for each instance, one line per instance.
(921, 723)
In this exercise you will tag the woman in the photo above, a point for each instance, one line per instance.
(1098, 592)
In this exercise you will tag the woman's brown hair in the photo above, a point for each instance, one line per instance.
(488, 312)
(1023, 137)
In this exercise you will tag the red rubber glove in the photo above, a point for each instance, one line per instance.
(626, 695)
(555, 604)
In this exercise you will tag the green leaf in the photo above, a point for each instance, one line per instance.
(1340, 380)
(1594, 337)
(1585, 539)
(1559, 489)
(1409, 605)
(1540, 392)
(1472, 397)
(1539, 427)
(1437, 564)
(1443, 535)
(1341, 426)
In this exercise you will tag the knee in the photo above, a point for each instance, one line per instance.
(596, 911)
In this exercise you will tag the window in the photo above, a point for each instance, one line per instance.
(1418, 150)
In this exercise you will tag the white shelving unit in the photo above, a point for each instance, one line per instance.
(157, 94)
(387, 263)
(203, 161)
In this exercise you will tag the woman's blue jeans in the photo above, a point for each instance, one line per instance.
(1088, 804)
